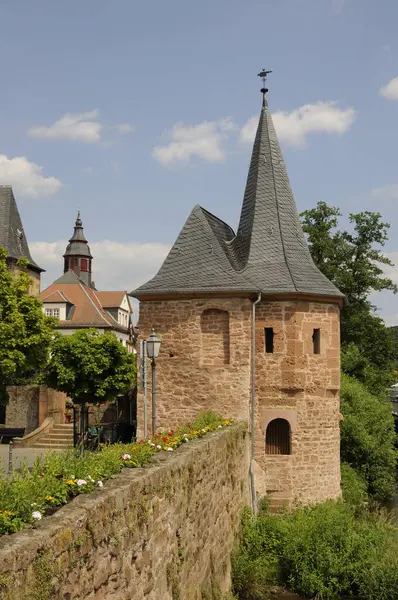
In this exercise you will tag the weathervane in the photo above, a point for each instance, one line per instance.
(264, 74)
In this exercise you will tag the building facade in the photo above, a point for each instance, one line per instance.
(13, 238)
(250, 328)
(74, 300)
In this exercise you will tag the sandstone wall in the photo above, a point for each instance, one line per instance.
(160, 533)
(201, 365)
(302, 387)
(204, 364)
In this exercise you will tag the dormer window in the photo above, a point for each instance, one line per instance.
(52, 312)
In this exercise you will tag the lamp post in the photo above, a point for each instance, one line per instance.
(152, 349)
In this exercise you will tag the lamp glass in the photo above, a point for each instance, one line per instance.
(153, 345)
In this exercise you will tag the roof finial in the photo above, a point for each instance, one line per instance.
(78, 219)
(263, 74)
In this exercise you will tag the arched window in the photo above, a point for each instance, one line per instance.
(277, 437)
(214, 325)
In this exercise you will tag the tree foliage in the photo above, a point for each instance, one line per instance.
(368, 436)
(349, 258)
(90, 367)
(354, 262)
(25, 332)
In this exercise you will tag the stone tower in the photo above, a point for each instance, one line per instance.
(250, 328)
(77, 257)
(13, 238)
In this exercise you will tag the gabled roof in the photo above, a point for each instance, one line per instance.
(12, 235)
(87, 308)
(111, 299)
(269, 253)
(56, 296)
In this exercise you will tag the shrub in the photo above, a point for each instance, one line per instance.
(353, 487)
(368, 437)
(322, 551)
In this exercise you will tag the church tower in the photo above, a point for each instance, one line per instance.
(77, 257)
(250, 329)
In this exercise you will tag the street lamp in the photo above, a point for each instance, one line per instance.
(152, 349)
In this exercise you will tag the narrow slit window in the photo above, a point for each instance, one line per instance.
(269, 340)
(316, 341)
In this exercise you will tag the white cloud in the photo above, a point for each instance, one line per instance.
(392, 272)
(204, 140)
(116, 265)
(386, 192)
(125, 128)
(83, 127)
(390, 90)
(26, 177)
(294, 127)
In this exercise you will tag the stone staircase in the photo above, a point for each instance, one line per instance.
(60, 437)
(278, 501)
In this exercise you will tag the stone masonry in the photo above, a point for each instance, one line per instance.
(193, 373)
(159, 533)
(200, 302)
(196, 372)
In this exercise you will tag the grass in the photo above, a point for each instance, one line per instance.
(31, 494)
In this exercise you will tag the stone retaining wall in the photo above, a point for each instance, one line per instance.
(160, 533)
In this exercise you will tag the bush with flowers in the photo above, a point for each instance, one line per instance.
(30, 494)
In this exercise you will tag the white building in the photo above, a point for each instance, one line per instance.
(74, 300)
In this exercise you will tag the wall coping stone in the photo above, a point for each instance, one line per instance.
(21, 548)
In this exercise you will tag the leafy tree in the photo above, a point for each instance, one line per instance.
(353, 262)
(25, 332)
(90, 367)
(349, 259)
(368, 436)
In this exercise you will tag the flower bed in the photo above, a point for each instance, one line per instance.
(29, 495)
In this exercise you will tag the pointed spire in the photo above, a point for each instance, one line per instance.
(12, 235)
(270, 246)
(77, 254)
(269, 252)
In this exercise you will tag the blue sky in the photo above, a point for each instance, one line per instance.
(158, 98)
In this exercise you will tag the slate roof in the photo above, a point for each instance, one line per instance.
(12, 235)
(87, 308)
(269, 252)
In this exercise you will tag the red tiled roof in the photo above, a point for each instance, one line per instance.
(88, 311)
(111, 299)
(55, 296)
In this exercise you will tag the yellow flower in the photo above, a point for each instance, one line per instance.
(7, 512)
(50, 499)
(70, 482)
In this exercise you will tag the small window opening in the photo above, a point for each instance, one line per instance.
(269, 340)
(277, 437)
(316, 341)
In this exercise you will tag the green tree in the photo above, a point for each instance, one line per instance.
(90, 367)
(349, 258)
(353, 261)
(25, 332)
(368, 436)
